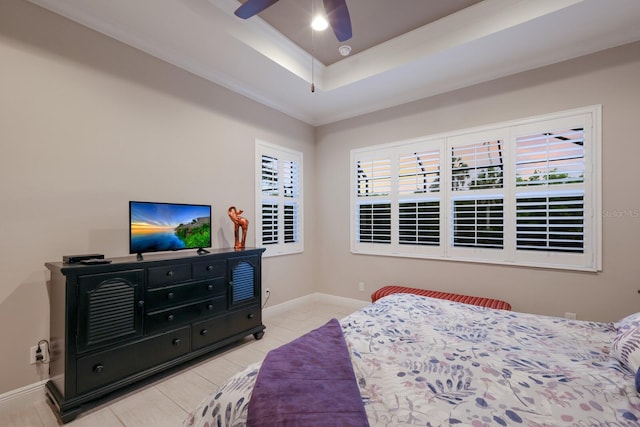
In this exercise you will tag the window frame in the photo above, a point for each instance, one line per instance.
(508, 132)
(283, 202)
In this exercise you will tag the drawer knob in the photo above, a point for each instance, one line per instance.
(209, 267)
(141, 303)
(169, 273)
(251, 315)
(210, 307)
(210, 287)
(170, 317)
(98, 368)
(176, 341)
(204, 332)
(170, 295)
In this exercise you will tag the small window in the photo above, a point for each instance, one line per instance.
(278, 199)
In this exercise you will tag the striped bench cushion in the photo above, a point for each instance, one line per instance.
(466, 299)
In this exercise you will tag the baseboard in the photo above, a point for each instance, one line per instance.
(355, 304)
(29, 394)
(23, 396)
(314, 297)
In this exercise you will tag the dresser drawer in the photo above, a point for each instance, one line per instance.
(210, 331)
(209, 269)
(109, 366)
(181, 294)
(168, 275)
(174, 316)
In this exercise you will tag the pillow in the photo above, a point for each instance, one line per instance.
(626, 347)
(631, 321)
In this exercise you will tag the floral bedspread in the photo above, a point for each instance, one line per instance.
(431, 362)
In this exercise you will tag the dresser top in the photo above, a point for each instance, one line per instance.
(153, 259)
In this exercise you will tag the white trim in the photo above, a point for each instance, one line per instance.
(286, 154)
(356, 304)
(23, 396)
(278, 309)
(596, 186)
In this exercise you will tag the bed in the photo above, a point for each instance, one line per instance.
(423, 361)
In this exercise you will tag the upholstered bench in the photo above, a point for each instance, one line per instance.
(466, 299)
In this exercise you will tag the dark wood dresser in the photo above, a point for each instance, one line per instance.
(113, 325)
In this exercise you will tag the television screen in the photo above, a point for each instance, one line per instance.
(157, 227)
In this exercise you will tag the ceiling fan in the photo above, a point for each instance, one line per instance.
(336, 10)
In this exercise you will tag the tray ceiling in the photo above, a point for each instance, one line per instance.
(468, 45)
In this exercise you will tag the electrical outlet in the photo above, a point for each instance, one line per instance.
(361, 286)
(267, 292)
(569, 315)
(32, 355)
(39, 357)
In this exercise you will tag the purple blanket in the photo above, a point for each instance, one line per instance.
(308, 382)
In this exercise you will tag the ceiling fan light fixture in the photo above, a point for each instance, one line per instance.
(319, 23)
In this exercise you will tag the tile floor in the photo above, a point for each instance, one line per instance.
(168, 401)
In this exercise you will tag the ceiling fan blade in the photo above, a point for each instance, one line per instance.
(253, 7)
(339, 18)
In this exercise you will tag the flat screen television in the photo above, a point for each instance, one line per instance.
(155, 227)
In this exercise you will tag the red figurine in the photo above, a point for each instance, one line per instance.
(238, 222)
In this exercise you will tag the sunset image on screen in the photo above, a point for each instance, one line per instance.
(146, 228)
(167, 227)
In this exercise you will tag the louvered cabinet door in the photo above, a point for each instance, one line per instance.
(244, 274)
(110, 308)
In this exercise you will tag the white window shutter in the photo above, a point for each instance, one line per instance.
(279, 200)
(526, 192)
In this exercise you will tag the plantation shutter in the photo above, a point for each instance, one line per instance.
(477, 195)
(280, 199)
(269, 210)
(290, 183)
(373, 185)
(269, 223)
(419, 202)
(527, 193)
(550, 168)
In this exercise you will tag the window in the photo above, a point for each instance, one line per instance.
(520, 193)
(374, 186)
(419, 202)
(278, 199)
(551, 219)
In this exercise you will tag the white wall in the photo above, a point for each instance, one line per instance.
(610, 78)
(87, 124)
